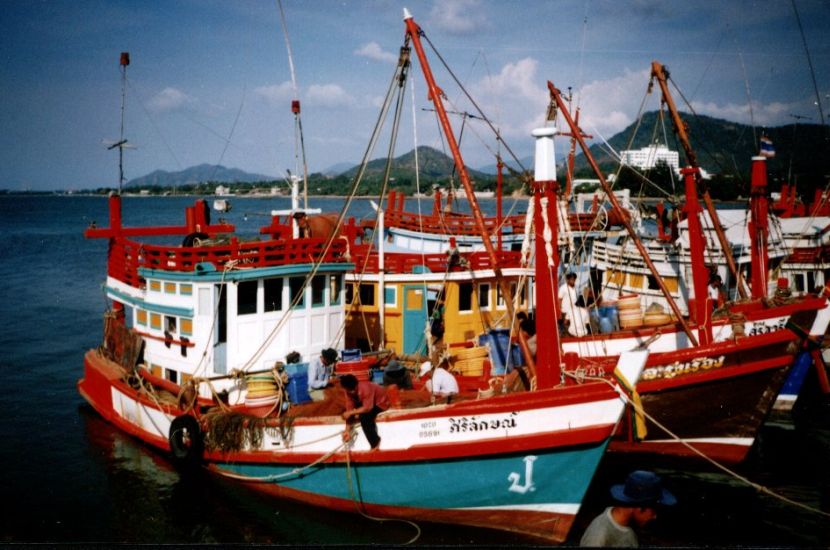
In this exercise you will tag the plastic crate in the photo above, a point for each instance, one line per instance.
(499, 339)
(296, 368)
(298, 388)
(347, 355)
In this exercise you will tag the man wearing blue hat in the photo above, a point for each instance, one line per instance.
(636, 505)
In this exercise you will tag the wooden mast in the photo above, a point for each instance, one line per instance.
(659, 72)
(575, 132)
(413, 31)
(435, 94)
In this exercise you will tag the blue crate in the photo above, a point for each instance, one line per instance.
(377, 376)
(298, 388)
(296, 368)
(348, 355)
(498, 339)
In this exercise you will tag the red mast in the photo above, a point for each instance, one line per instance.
(435, 94)
(697, 247)
(758, 227)
(545, 222)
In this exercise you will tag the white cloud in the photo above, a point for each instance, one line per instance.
(763, 114)
(328, 95)
(608, 106)
(169, 99)
(514, 98)
(457, 16)
(372, 50)
(276, 94)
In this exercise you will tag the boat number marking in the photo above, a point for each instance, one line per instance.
(514, 477)
(759, 327)
(679, 369)
(429, 429)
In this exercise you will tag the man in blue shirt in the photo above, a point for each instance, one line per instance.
(320, 372)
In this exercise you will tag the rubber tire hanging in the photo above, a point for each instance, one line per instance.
(185, 439)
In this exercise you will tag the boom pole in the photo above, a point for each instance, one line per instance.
(435, 94)
(659, 72)
(577, 134)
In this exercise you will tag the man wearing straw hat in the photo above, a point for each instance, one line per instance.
(637, 501)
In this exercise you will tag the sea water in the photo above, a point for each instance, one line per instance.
(67, 476)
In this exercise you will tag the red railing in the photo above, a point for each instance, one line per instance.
(400, 263)
(126, 256)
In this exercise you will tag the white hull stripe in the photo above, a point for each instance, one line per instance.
(734, 441)
(550, 508)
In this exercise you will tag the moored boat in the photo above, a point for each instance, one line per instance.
(195, 331)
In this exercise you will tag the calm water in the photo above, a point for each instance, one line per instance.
(67, 476)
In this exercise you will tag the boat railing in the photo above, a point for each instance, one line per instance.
(401, 263)
(452, 224)
(127, 256)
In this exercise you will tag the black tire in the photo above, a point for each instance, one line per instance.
(190, 239)
(185, 439)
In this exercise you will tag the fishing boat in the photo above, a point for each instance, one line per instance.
(193, 374)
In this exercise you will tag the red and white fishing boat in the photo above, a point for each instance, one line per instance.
(518, 461)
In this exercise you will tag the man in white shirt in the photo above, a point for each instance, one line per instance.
(577, 317)
(441, 383)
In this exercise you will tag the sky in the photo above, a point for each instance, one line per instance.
(209, 80)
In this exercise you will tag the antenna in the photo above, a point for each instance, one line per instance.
(121, 143)
(299, 144)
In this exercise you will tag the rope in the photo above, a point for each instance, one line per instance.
(758, 487)
(359, 503)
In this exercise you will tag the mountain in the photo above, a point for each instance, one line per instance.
(337, 169)
(432, 164)
(492, 169)
(197, 174)
(727, 148)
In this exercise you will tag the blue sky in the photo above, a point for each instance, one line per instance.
(209, 80)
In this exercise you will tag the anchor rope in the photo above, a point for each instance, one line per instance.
(757, 486)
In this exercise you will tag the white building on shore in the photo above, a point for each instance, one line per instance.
(648, 157)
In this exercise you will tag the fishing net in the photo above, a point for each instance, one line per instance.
(229, 431)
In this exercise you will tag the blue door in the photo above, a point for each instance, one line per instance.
(414, 318)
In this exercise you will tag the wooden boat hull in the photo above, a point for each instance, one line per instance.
(475, 492)
(520, 462)
(677, 389)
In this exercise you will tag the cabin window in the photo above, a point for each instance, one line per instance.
(155, 321)
(273, 294)
(635, 280)
(652, 282)
(350, 293)
(811, 281)
(390, 296)
(246, 297)
(465, 297)
(170, 324)
(141, 317)
(798, 280)
(171, 375)
(318, 291)
(671, 283)
(296, 288)
(335, 286)
(187, 327)
(616, 277)
(186, 289)
(484, 296)
(367, 294)
(155, 286)
(169, 288)
(500, 297)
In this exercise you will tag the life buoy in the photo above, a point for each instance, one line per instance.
(185, 439)
(190, 239)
